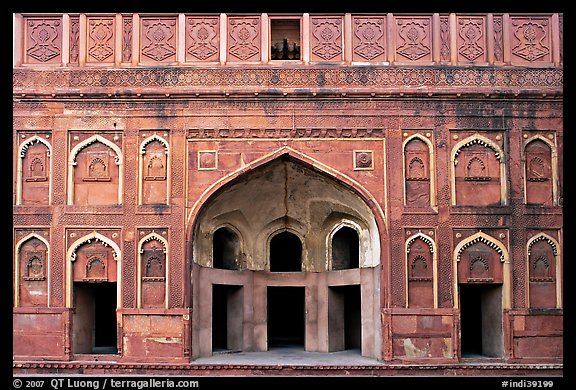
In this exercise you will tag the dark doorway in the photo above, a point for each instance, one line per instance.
(227, 317)
(286, 319)
(285, 253)
(345, 249)
(344, 318)
(225, 249)
(481, 320)
(95, 318)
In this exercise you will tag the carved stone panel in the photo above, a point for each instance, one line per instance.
(326, 39)
(153, 273)
(420, 274)
(33, 284)
(369, 39)
(477, 175)
(243, 39)
(94, 263)
(445, 39)
(158, 39)
(154, 173)
(417, 173)
(542, 275)
(498, 31)
(202, 38)
(100, 31)
(538, 173)
(43, 40)
(35, 174)
(531, 40)
(127, 39)
(413, 37)
(471, 39)
(479, 263)
(74, 40)
(96, 176)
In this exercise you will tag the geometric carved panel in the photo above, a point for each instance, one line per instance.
(413, 39)
(369, 39)
(530, 40)
(100, 32)
(326, 39)
(158, 39)
(43, 40)
(471, 39)
(202, 38)
(243, 39)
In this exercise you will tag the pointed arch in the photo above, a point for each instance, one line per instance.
(118, 160)
(141, 153)
(364, 242)
(316, 165)
(22, 149)
(504, 258)
(141, 242)
(431, 165)
(498, 153)
(17, 269)
(556, 249)
(553, 163)
(432, 246)
(71, 257)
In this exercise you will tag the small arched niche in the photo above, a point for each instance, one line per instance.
(345, 249)
(285, 253)
(226, 249)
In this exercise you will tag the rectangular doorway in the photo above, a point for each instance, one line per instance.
(286, 317)
(344, 318)
(227, 317)
(94, 322)
(481, 321)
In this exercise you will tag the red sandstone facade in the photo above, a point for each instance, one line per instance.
(186, 184)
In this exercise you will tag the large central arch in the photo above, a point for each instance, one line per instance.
(289, 192)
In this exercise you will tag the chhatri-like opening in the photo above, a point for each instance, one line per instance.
(481, 320)
(225, 249)
(285, 253)
(345, 249)
(94, 322)
(286, 316)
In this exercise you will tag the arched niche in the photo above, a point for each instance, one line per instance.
(33, 172)
(154, 171)
(95, 172)
(31, 268)
(419, 172)
(544, 272)
(540, 172)
(153, 270)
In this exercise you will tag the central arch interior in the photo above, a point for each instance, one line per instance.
(299, 250)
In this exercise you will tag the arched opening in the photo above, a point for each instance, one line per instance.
(345, 249)
(225, 249)
(285, 253)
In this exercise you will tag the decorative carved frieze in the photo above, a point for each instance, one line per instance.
(158, 39)
(413, 39)
(326, 38)
(43, 40)
(126, 39)
(471, 40)
(531, 40)
(202, 39)
(244, 38)
(101, 39)
(369, 39)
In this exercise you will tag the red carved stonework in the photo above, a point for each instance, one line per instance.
(542, 273)
(413, 39)
(243, 39)
(539, 173)
(158, 40)
(74, 39)
(498, 38)
(155, 168)
(477, 171)
(202, 39)
(531, 42)
(35, 174)
(471, 40)
(480, 261)
(420, 273)
(369, 39)
(444, 39)
(33, 269)
(43, 40)
(326, 39)
(126, 39)
(417, 173)
(101, 39)
(153, 267)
